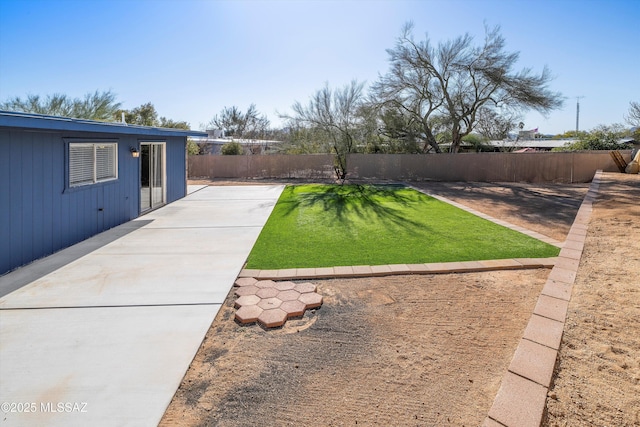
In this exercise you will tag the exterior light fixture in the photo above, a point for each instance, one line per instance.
(135, 152)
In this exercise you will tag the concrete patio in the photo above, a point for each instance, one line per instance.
(102, 333)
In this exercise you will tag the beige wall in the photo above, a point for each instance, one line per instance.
(312, 166)
(490, 167)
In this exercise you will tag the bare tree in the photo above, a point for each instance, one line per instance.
(496, 126)
(250, 125)
(402, 131)
(298, 138)
(633, 116)
(455, 79)
(335, 114)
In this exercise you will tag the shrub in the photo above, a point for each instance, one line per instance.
(600, 138)
(477, 141)
(192, 147)
(231, 148)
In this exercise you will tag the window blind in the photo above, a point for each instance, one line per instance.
(92, 162)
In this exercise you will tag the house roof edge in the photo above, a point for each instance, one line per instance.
(44, 122)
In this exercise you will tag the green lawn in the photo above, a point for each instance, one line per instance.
(332, 225)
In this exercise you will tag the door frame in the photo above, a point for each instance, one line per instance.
(163, 174)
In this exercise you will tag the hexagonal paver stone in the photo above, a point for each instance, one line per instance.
(273, 318)
(305, 287)
(290, 295)
(265, 284)
(293, 308)
(246, 290)
(311, 300)
(284, 286)
(269, 303)
(267, 292)
(248, 314)
(245, 281)
(247, 300)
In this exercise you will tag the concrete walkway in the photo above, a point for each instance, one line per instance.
(102, 333)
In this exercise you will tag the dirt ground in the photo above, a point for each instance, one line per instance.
(393, 351)
(597, 379)
(414, 350)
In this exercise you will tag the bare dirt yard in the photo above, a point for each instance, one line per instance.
(429, 350)
(393, 351)
(597, 378)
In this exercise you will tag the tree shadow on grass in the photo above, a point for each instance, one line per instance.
(343, 202)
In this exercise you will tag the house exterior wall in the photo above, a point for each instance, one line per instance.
(176, 168)
(40, 214)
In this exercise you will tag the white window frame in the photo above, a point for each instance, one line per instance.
(93, 168)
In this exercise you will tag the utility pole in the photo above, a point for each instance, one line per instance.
(578, 114)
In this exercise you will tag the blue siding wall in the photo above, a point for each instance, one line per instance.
(39, 215)
(176, 169)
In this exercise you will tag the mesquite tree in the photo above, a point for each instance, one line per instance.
(451, 82)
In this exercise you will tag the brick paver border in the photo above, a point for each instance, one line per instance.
(522, 396)
(399, 269)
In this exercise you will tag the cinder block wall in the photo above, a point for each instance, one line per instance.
(566, 167)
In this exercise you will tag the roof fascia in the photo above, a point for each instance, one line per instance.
(42, 122)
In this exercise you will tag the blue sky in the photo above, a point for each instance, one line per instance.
(191, 58)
